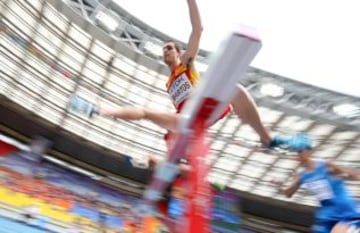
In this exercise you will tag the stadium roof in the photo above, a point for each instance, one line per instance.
(53, 49)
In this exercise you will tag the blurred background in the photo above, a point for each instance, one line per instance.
(63, 172)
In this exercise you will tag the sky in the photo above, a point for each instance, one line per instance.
(312, 41)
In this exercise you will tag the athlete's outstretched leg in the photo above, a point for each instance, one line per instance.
(245, 107)
(165, 120)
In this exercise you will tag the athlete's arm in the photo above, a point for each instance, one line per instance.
(289, 190)
(344, 172)
(194, 40)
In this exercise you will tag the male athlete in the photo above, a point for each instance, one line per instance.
(337, 212)
(181, 83)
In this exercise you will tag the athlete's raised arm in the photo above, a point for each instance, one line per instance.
(194, 40)
(343, 171)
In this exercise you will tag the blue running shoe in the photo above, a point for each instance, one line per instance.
(297, 142)
(279, 141)
(300, 142)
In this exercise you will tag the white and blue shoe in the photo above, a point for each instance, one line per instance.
(82, 106)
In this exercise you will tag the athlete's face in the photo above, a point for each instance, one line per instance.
(170, 54)
(303, 157)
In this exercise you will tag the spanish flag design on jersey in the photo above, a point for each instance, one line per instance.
(181, 83)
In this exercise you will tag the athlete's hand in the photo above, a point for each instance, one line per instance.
(276, 181)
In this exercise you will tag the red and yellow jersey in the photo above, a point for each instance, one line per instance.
(181, 83)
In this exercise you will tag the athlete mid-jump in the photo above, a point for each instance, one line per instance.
(181, 83)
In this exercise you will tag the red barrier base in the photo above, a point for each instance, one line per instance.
(196, 218)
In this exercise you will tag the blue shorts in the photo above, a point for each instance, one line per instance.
(326, 226)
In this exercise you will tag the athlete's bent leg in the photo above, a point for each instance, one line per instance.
(165, 120)
(340, 228)
(345, 228)
(245, 107)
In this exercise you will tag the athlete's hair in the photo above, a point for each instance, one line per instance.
(177, 46)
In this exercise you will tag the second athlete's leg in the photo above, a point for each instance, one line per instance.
(340, 228)
(346, 228)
